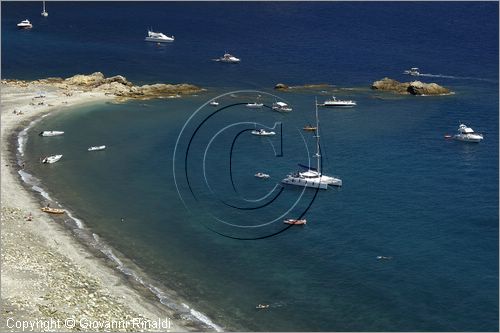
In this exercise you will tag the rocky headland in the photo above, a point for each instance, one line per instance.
(413, 88)
(117, 85)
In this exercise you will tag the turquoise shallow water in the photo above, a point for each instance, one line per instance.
(429, 203)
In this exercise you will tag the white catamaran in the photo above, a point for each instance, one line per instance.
(313, 177)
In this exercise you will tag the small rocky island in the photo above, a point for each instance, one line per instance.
(413, 88)
(115, 85)
(317, 86)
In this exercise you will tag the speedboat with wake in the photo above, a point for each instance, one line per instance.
(467, 134)
(414, 71)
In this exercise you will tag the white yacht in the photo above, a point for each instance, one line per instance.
(254, 105)
(214, 103)
(414, 71)
(158, 37)
(334, 102)
(313, 176)
(281, 107)
(229, 58)
(262, 175)
(51, 159)
(44, 12)
(51, 133)
(26, 24)
(467, 134)
(262, 132)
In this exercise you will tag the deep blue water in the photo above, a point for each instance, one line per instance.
(430, 204)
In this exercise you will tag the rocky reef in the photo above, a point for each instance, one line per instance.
(318, 86)
(116, 85)
(413, 88)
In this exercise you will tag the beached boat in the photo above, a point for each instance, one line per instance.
(158, 37)
(51, 133)
(414, 71)
(254, 105)
(262, 175)
(467, 134)
(52, 210)
(229, 58)
(309, 128)
(313, 176)
(214, 103)
(294, 221)
(262, 132)
(96, 148)
(44, 12)
(334, 102)
(51, 159)
(26, 24)
(281, 107)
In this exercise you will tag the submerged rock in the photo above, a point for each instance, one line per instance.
(284, 87)
(414, 88)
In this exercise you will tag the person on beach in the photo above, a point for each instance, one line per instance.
(29, 217)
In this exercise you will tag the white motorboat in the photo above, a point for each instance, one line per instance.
(26, 24)
(158, 37)
(51, 159)
(44, 12)
(295, 221)
(313, 176)
(467, 134)
(334, 102)
(281, 107)
(214, 103)
(262, 175)
(229, 58)
(51, 133)
(254, 105)
(414, 71)
(263, 132)
(96, 148)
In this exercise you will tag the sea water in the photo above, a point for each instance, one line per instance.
(175, 192)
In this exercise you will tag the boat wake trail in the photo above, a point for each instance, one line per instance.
(457, 77)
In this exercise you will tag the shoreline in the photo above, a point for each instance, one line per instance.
(48, 273)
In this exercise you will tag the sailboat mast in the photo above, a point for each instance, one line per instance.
(318, 156)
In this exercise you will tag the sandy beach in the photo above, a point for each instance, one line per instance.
(49, 280)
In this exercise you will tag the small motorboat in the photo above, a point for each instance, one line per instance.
(414, 71)
(26, 24)
(51, 133)
(262, 306)
(262, 132)
(262, 175)
(281, 107)
(96, 148)
(337, 102)
(52, 210)
(310, 128)
(51, 159)
(158, 37)
(229, 58)
(294, 221)
(467, 134)
(254, 105)
(214, 103)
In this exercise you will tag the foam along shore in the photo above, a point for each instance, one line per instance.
(47, 274)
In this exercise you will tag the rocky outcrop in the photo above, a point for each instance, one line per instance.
(413, 88)
(116, 85)
(318, 86)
